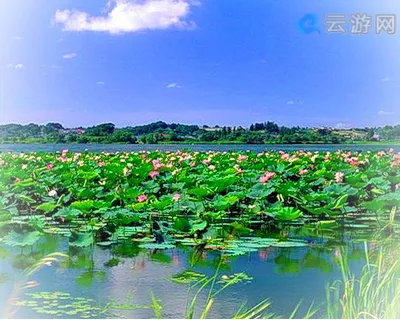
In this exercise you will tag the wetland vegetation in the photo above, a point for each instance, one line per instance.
(301, 211)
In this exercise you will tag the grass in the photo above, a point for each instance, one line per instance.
(375, 294)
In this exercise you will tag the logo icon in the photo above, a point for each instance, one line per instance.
(308, 24)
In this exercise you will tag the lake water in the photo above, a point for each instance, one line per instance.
(127, 274)
(194, 147)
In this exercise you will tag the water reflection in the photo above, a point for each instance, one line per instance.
(113, 273)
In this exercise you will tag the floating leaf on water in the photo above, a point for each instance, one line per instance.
(235, 278)
(357, 226)
(289, 244)
(188, 276)
(187, 242)
(235, 252)
(160, 246)
(104, 243)
(15, 239)
(144, 240)
(328, 224)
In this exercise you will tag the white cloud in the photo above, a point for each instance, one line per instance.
(17, 38)
(18, 66)
(173, 85)
(291, 102)
(386, 79)
(385, 113)
(69, 55)
(124, 16)
(100, 83)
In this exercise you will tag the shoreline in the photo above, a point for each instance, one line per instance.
(389, 143)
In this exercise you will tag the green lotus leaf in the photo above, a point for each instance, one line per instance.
(46, 207)
(15, 239)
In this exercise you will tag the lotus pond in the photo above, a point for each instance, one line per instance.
(134, 231)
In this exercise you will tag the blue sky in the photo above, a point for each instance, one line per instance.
(226, 62)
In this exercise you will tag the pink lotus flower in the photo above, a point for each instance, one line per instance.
(192, 164)
(101, 164)
(142, 198)
(154, 174)
(211, 167)
(395, 164)
(176, 197)
(206, 161)
(391, 150)
(303, 172)
(242, 158)
(50, 166)
(156, 164)
(238, 169)
(339, 177)
(285, 156)
(353, 162)
(267, 176)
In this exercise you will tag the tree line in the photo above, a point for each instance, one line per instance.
(161, 132)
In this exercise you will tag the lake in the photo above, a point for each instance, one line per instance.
(127, 274)
(194, 147)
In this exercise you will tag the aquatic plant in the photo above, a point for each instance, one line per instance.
(375, 293)
(123, 198)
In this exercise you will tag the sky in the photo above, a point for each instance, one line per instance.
(225, 62)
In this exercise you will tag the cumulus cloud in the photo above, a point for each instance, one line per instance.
(69, 55)
(100, 83)
(173, 85)
(385, 113)
(386, 79)
(122, 16)
(18, 66)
